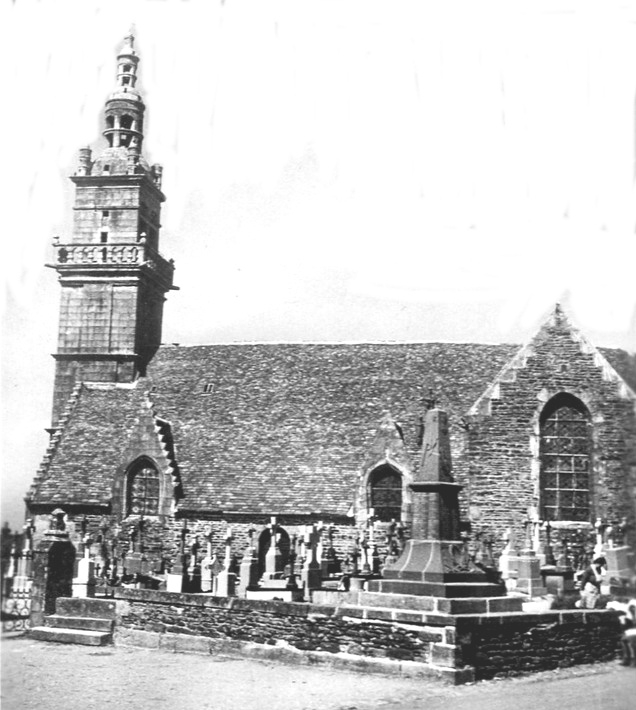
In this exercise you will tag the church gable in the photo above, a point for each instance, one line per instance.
(557, 383)
(558, 358)
(105, 430)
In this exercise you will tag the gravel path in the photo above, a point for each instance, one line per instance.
(37, 675)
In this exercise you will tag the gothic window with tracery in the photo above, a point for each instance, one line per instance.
(143, 490)
(566, 455)
(385, 493)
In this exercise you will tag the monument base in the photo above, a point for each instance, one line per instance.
(438, 568)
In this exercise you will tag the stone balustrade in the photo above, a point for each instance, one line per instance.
(124, 254)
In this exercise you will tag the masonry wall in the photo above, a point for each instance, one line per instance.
(498, 646)
(460, 648)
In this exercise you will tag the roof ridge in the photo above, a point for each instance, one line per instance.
(333, 342)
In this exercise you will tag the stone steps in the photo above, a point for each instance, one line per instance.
(78, 636)
(85, 621)
(91, 607)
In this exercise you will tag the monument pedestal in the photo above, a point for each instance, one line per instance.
(529, 578)
(619, 562)
(435, 568)
(558, 580)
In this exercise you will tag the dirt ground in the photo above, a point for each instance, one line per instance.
(37, 674)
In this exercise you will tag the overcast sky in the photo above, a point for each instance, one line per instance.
(346, 170)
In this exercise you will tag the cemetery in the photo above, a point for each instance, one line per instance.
(434, 605)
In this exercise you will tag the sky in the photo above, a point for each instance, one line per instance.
(335, 171)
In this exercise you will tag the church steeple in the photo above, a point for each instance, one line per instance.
(124, 110)
(112, 277)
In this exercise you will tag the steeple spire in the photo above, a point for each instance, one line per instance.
(124, 110)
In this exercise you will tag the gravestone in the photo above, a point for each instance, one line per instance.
(248, 570)
(176, 578)
(207, 576)
(529, 579)
(311, 573)
(84, 580)
(226, 578)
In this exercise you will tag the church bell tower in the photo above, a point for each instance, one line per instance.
(112, 277)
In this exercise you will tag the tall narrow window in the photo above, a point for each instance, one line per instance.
(566, 455)
(142, 494)
(385, 493)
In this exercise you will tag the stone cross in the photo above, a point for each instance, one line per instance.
(224, 586)
(206, 562)
(548, 550)
(364, 547)
(600, 528)
(509, 540)
(29, 529)
(248, 572)
(273, 558)
(311, 573)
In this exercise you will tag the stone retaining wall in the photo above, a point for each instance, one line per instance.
(457, 648)
(508, 644)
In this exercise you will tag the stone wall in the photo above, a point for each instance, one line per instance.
(426, 640)
(498, 646)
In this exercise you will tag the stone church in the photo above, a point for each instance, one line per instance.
(213, 437)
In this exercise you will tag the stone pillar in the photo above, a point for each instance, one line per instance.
(53, 561)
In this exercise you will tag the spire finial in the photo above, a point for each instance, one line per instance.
(129, 42)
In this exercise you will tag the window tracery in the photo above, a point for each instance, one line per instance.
(566, 454)
(385, 493)
(143, 490)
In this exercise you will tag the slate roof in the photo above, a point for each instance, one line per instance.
(272, 428)
(85, 458)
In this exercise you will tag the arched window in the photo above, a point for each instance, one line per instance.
(385, 493)
(566, 455)
(142, 490)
